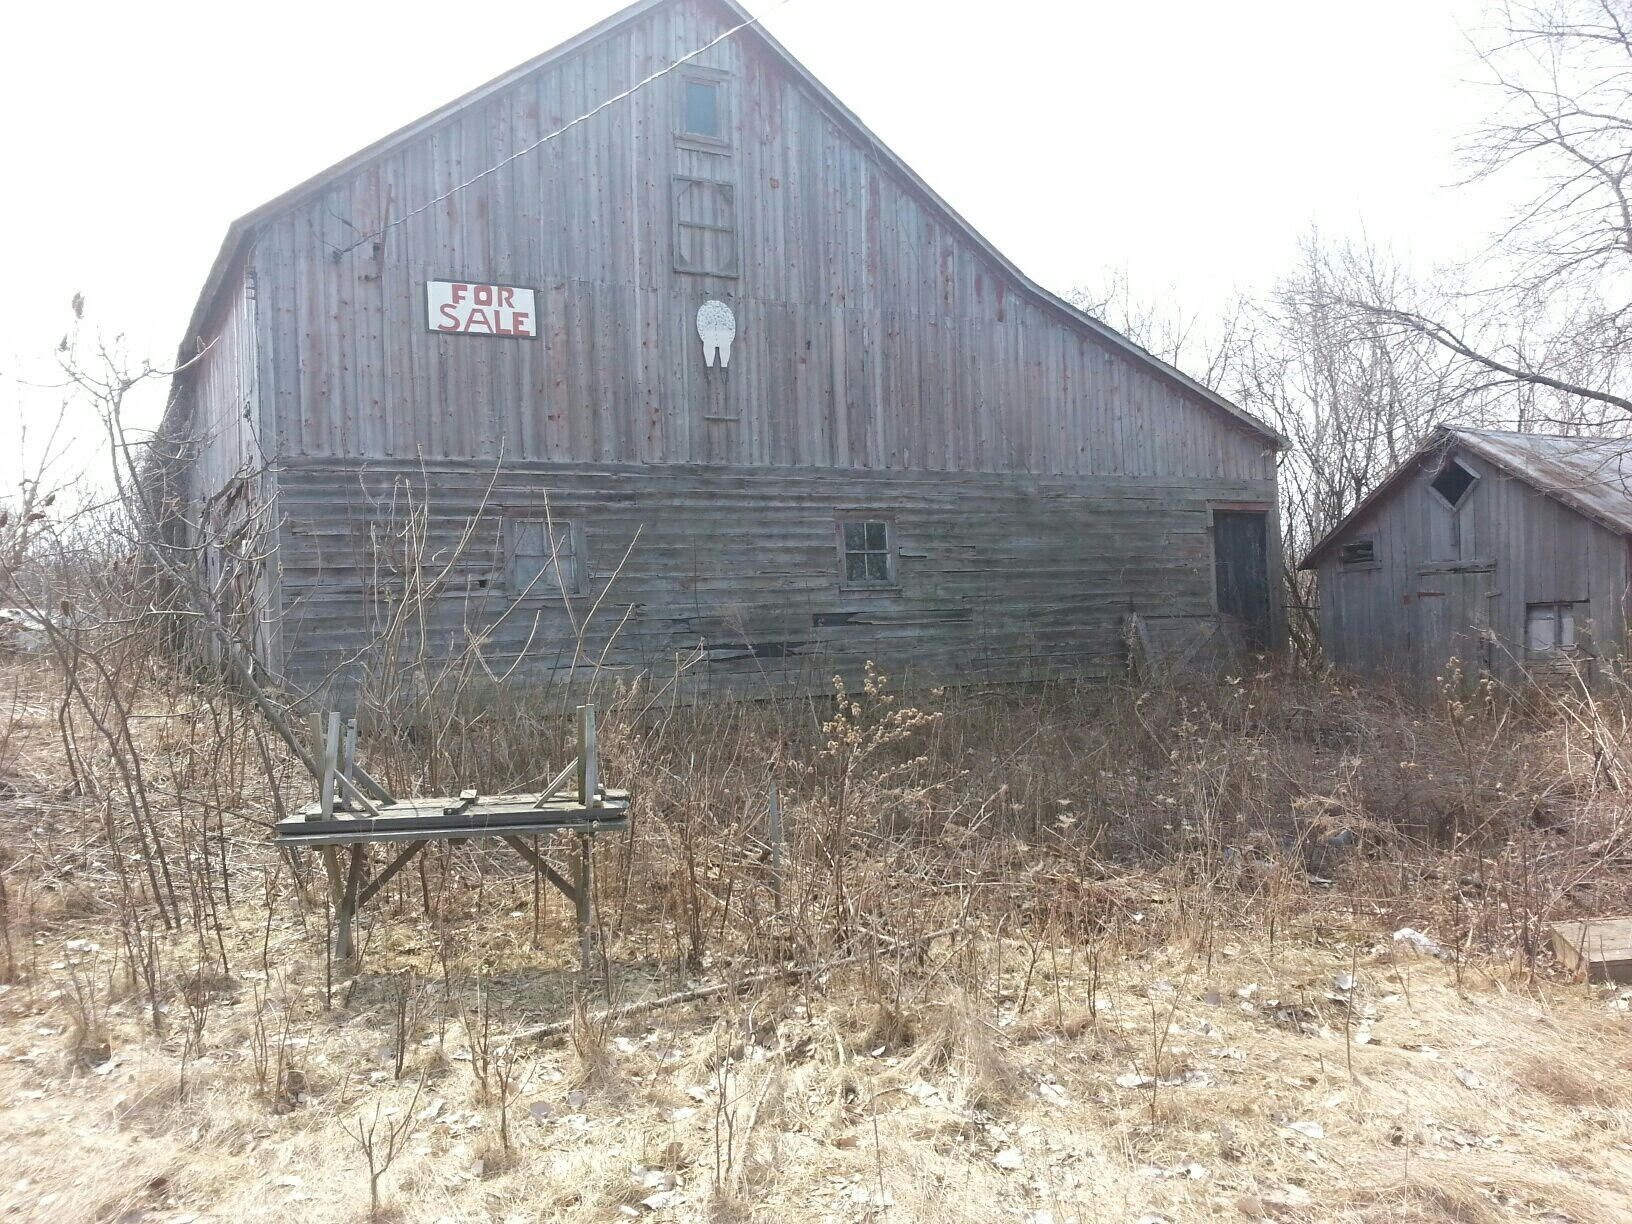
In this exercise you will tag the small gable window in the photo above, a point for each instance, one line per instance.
(1453, 483)
(1549, 629)
(1359, 554)
(703, 116)
(866, 552)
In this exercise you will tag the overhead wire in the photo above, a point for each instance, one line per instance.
(447, 195)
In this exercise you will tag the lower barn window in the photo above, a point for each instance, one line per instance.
(1549, 628)
(867, 552)
(544, 557)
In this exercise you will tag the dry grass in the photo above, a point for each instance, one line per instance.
(1142, 1012)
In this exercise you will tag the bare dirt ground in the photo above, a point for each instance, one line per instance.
(1221, 1031)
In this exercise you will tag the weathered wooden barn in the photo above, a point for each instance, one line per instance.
(1505, 552)
(648, 350)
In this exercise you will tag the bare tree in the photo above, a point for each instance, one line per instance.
(1199, 344)
(1549, 322)
(1351, 396)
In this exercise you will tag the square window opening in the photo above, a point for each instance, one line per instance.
(543, 561)
(1453, 482)
(1549, 629)
(702, 110)
(1360, 552)
(868, 552)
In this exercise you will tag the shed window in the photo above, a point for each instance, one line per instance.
(1549, 628)
(1453, 482)
(867, 552)
(544, 557)
(702, 110)
(1358, 553)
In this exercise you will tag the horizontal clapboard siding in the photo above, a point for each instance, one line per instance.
(998, 579)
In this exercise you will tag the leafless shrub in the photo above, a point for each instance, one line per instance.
(379, 1134)
(88, 1040)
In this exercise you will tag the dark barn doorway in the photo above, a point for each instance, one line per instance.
(1241, 569)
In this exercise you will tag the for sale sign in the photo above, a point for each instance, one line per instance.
(480, 310)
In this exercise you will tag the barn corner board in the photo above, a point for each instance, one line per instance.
(703, 354)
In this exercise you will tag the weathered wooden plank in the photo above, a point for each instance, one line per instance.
(1599, 948)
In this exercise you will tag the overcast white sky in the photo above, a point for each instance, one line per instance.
(1190, 143)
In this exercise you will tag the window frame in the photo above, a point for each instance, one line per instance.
(1473, 484)
(1371, 561)
(572, 581)
(720, 83)
(730, 235)
(1559, 648)
(892, 563)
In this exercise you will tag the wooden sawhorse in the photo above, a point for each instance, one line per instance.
(353, 810)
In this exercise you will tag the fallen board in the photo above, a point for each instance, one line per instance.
(1599, 947)
(429, 819)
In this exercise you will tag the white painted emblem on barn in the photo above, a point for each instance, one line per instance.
(717, 328)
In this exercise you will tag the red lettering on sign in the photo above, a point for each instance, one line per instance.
(485, 310)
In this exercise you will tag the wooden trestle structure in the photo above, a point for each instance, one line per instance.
(352, 811)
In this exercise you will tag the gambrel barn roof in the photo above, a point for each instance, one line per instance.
(1592, 476)
(240, 236)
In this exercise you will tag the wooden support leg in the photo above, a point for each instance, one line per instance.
(543, 867)
(345, 909)
(579, 891)
(331, 868)
(397, 864)
(582, 884)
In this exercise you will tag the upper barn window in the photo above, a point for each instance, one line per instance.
(703, 106)
(1453, 483)
(703, 110)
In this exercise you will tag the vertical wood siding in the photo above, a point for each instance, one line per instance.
(871, 335)
(227, 488)
(222, 441)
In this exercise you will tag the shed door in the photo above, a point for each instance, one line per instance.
(1241, 570)
(1450, 619)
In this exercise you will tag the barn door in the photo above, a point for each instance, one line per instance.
(1241, 571)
